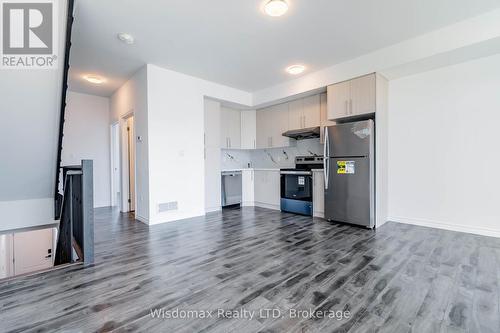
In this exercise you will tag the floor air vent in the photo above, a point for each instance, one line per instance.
(167, 206)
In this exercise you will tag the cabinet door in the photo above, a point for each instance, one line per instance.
(230, 128)
(263, 125)
(260, 186)
(225, 123)
(33, 250)
(247, 191)
(318, 194)
(234, 130)
(273, 188)
(339, 96)
(248, 129)
(311, 111)
(324, 117)
(296, 114)
(279, 125)
(362, 95)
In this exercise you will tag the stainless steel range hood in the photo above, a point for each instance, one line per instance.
(304, 133)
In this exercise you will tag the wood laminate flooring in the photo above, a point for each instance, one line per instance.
(399, 278)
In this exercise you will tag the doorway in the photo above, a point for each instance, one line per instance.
(115, 165)
(131, 163)
(128, 164)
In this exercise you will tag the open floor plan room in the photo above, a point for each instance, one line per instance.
(269, 268)
(250, 166)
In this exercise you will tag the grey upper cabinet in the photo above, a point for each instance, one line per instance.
(351, 98)
(230, 128)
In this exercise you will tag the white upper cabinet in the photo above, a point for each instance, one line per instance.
(263, 130)
(230, 128)
(279, 125)
(311, 111)
(324, 117)
(248, 129)
(304, 112)
(296, 114)
(339, 96)
(363, 95)
(272, 122)
(352, 98)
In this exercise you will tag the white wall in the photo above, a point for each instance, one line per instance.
(29, 108)
(86, 136)
(212, 119)
(176, 127)
(443, 147)
(132, 97)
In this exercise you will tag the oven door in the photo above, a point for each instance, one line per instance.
(296, 192)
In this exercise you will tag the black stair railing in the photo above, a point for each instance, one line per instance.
(69, 28)
(75, 241)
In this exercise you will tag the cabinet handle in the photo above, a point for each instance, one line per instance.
(350, 106)
(346, 107)
(229, 142)
(254, 144)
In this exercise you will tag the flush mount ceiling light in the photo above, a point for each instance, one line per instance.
(94, 79)
(126, 38)
(276, 7)
(296, 69)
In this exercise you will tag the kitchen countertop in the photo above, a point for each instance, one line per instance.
(254, 169)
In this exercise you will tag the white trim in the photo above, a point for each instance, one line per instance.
(268, 206)
(446, 226)
(142, 219)
(319, 214)
(213, 209)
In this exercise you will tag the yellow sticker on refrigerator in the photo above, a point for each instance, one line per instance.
(346, 167)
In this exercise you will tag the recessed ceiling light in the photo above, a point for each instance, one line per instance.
(276, 7)
(296, 69)
(126, 38)
(94, 79)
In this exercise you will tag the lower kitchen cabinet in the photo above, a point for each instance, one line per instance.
(318, 193)
(267, 188)
(247, 187)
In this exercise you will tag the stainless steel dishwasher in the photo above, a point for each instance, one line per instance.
(231, 188)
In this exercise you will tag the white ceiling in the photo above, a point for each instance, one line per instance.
(232, 42)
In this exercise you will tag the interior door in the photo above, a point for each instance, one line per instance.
(33, 250)
(348, 196)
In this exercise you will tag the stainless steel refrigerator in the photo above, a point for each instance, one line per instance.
(349, 165)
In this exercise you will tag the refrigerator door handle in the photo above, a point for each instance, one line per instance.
(326, 157)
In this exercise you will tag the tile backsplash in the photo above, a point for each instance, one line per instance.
(269, 158)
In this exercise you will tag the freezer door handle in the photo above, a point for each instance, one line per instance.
(326, 158)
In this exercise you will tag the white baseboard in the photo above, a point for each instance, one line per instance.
(268, 206)
(447, 226)
(319, 214)
(213, 209)
(142, 219)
